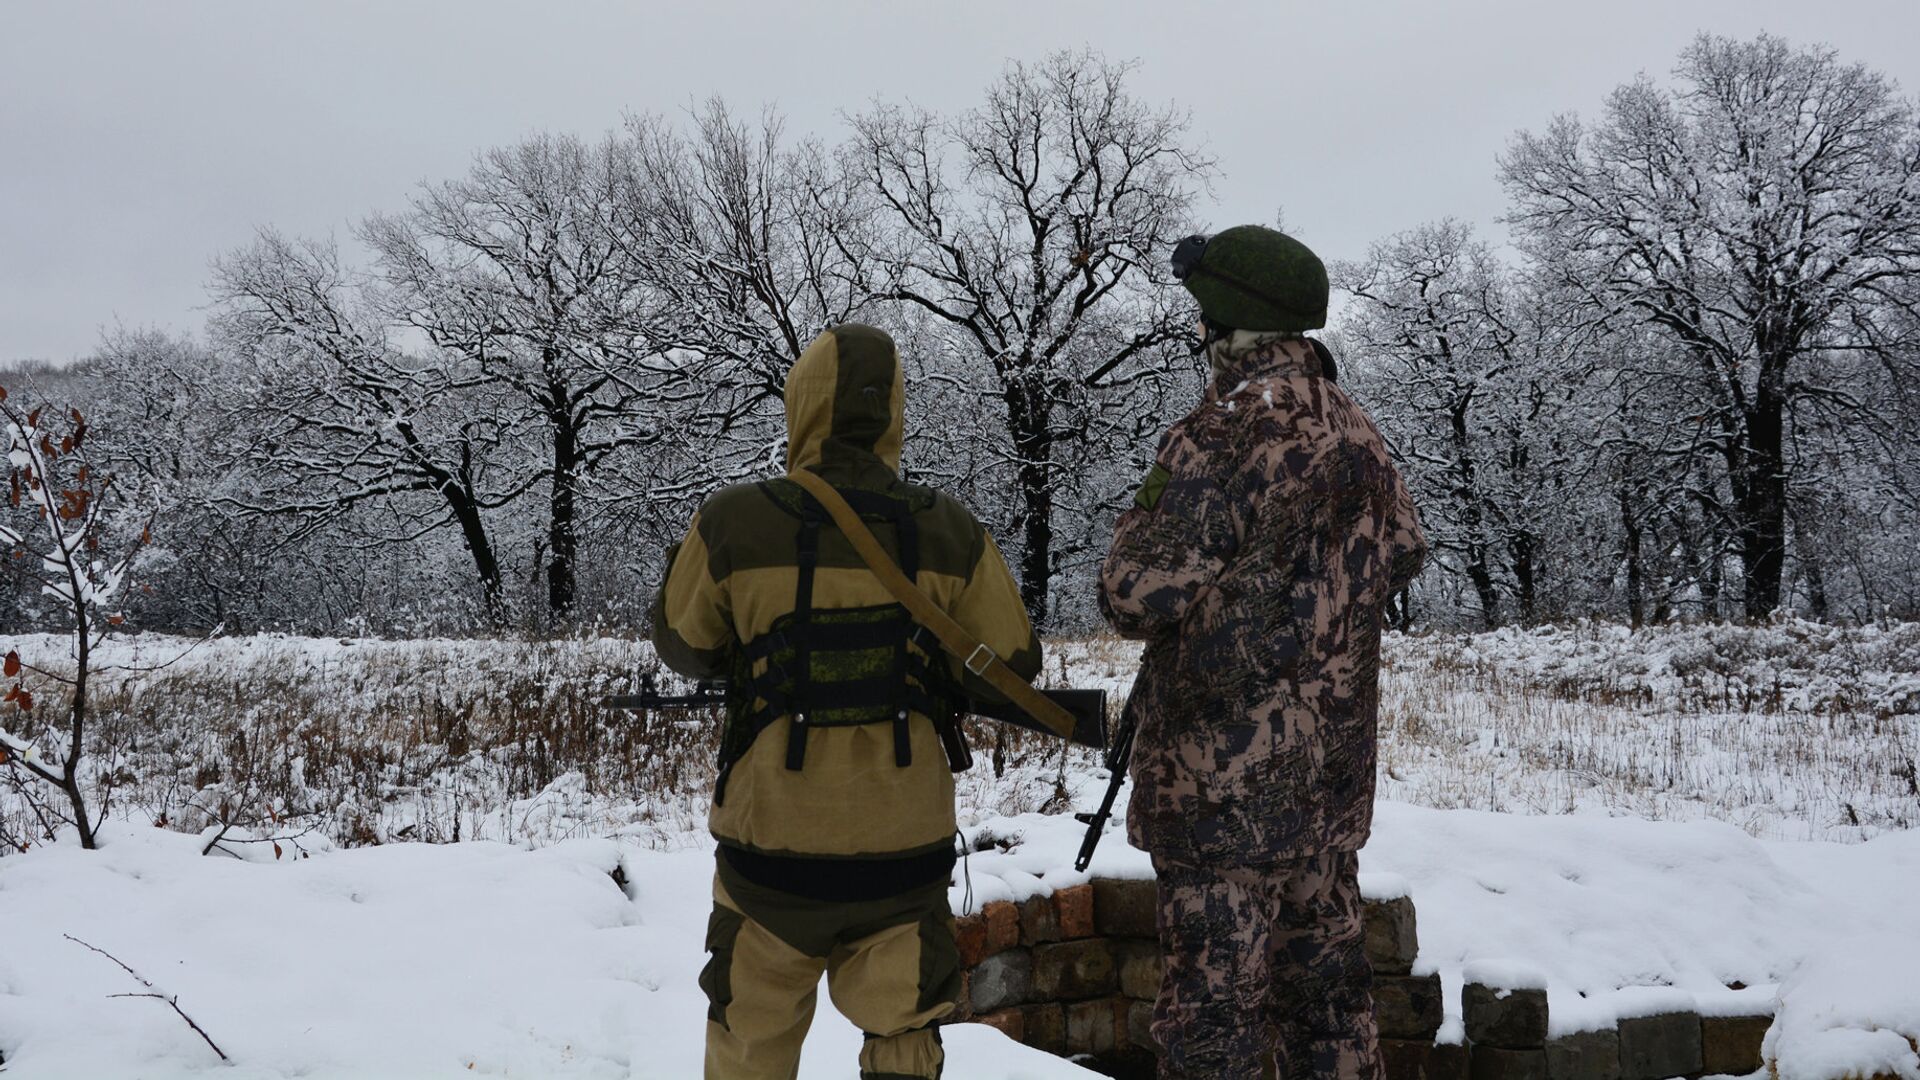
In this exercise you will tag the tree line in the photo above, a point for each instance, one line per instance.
(1686, 388)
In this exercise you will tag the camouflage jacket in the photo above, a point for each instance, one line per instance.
(1256, 564)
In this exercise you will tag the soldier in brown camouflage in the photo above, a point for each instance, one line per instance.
(1256, 564)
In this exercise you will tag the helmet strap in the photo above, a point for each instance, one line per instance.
(1214, 333)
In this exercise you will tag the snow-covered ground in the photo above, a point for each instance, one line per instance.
(419, 960)
(1684, 809)
(398, 962)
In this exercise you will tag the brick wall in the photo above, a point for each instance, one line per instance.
(1507, 1038)
(1075, 974)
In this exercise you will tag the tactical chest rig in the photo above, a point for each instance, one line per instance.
(841, 667)
(806, 672)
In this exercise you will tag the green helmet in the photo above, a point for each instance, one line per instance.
(1251, 277)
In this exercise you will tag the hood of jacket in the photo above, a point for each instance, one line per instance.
(846, 406)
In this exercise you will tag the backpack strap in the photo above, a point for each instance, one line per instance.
(956, 639)
(802, 609)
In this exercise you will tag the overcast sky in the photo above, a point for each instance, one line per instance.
(139, 140)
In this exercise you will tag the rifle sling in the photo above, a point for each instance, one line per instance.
(953, 637)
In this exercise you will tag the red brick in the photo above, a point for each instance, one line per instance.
(1038, 922)
(1075, 970)
(1009, 1022)
(970, 934)
(1097, 1027)
(1140, 969)
(1003, 926)
(1140, 1024)
(1073, 909)
(1046, 1028)
(1730, 1045)
(1124, 908)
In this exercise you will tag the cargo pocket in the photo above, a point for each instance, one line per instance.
(716, 979)
(939, 960)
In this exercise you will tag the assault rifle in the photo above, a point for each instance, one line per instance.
(1088, 707)
(1119, 756)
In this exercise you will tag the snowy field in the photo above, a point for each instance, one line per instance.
(321, 939)
(485, 959)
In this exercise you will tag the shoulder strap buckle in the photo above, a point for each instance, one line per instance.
(981, 667)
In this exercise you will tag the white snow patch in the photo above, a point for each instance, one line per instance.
(1504, 974)
(406, 961)
(1853, 1009)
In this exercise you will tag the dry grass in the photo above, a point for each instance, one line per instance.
(1788, 732)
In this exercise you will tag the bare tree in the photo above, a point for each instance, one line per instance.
(1470, 375)
(750, 244)
(521, 272)
(1033, 232)
(73, 533)
(340, 417)
(1755, 216)
(753, 245)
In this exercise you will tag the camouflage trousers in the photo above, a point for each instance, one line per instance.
(892, 967)
(1265, 961)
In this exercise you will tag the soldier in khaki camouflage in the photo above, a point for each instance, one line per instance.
(1256, 564)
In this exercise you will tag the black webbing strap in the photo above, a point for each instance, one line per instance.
(828, 636)
(946, 724)
(907, 542)
(809, 552)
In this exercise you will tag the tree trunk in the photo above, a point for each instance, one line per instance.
(473, 530)
(562, 535)
(1483, 586)
(1525, 574)
(1027, 422)
(70, 771)
(1471, 517)
(1636, 572)
(1806, 556)
(1036, 559)
(1400, 610)
(1762, 506)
